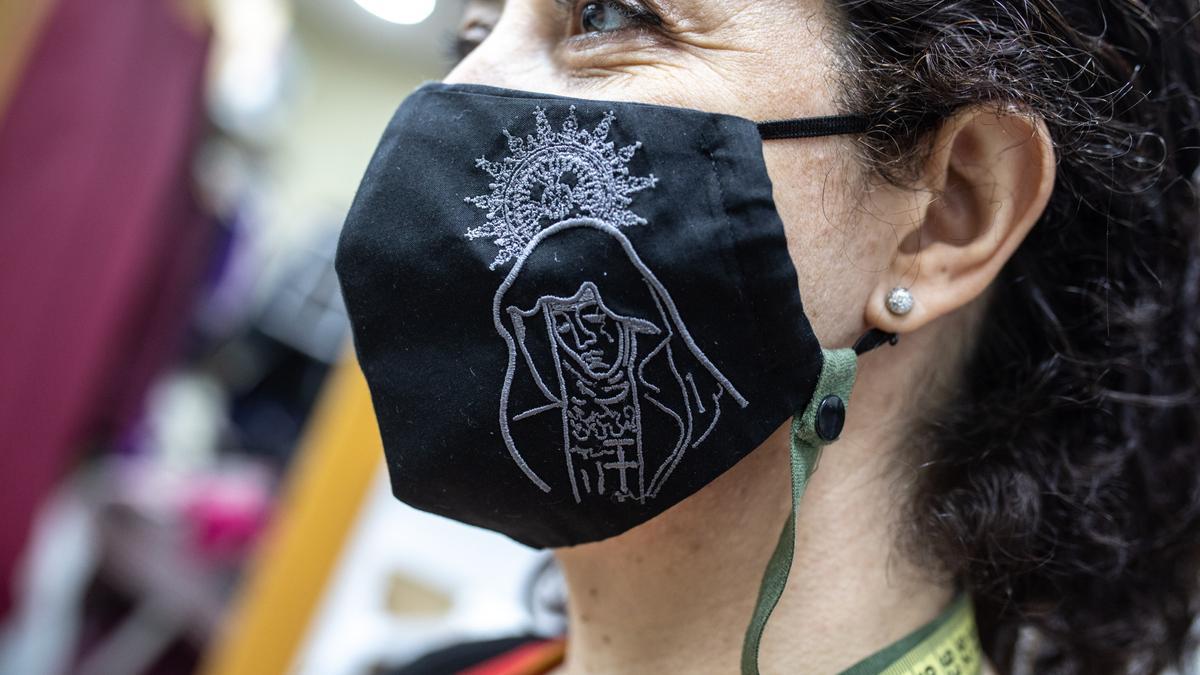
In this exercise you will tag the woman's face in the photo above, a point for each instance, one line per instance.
(760, 59)
(590, 335)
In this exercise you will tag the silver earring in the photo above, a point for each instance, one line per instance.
(899, 301)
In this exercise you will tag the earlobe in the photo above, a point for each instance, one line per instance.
(986, 182)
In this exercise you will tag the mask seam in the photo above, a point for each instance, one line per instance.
(744, 299)
(559, 99)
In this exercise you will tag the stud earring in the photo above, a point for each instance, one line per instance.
(899, 301)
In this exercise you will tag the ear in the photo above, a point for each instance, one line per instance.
(986, 182)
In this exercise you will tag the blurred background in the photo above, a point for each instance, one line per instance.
(192, 477)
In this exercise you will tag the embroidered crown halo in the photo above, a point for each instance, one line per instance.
(555, 175)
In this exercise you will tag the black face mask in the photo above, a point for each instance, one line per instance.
(574, 314)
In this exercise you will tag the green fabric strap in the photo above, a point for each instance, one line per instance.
(948, 645)
(837, 377)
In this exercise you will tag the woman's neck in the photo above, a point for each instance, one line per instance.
(676, 594)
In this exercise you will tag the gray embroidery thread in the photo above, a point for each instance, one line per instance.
(599, 394)
(598, 386)
(555, 175)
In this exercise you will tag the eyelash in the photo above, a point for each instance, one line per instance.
(634, 11)
(459, 47)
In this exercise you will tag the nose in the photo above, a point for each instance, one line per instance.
(515, 55)
(583, 336)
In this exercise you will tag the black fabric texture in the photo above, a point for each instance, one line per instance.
(700, 348)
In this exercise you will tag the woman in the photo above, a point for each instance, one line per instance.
(1028, 175)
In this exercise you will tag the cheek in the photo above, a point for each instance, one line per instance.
(838, 256)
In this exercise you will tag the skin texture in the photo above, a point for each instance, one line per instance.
(675, 594)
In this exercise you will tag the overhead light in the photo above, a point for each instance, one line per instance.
(399, 11)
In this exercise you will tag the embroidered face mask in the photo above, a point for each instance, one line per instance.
(574, 314)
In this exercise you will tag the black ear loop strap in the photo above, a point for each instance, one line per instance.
(872, 339)
(811, 127)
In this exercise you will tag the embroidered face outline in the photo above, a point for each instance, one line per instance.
(592, 335)
(621, 431)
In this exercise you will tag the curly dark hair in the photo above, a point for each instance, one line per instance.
(1062, 480)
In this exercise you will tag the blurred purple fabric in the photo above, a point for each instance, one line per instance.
(101, 240)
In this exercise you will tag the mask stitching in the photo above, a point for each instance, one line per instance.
(528, 186)
(744, 302)
(551, 176)
(675, 327)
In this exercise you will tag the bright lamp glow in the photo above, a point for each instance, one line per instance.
(399, 11)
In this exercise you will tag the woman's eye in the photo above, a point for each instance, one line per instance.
(611, 16)
(601, 17)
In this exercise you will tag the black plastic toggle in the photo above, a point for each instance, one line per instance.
(831, 417)
(874, 338)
